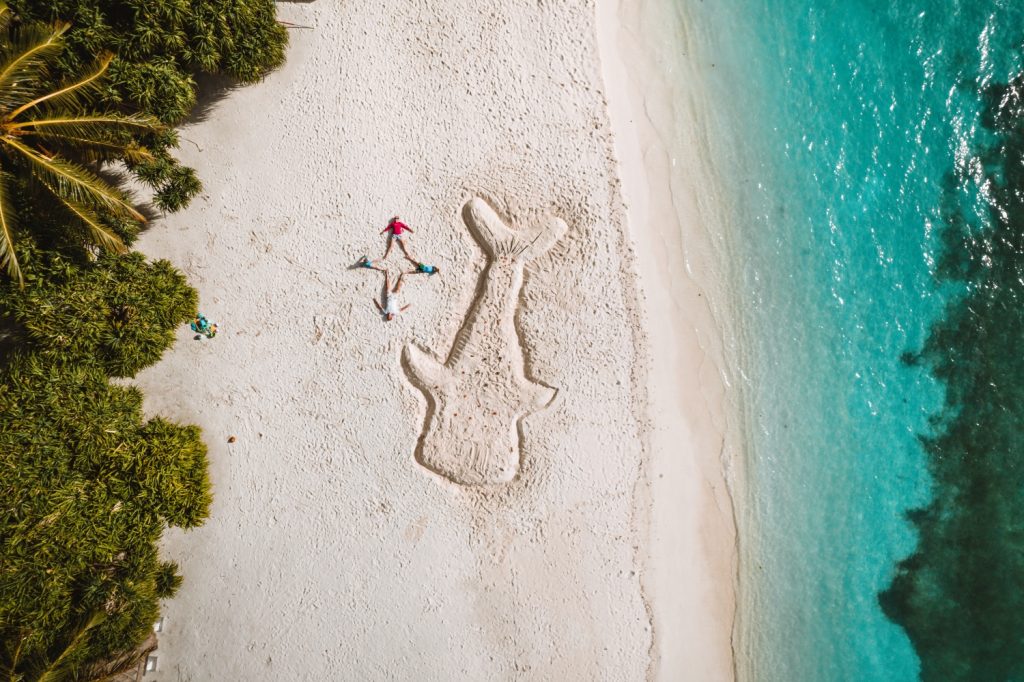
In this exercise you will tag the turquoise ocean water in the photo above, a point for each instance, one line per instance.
(850, 138)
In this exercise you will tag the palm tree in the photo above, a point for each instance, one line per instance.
(67, 665)
(49, 139)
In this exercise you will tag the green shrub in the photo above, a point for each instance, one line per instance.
(87, 488)
(119, 312)
(160, 45)
(168, 580)
(53, 140)
(86, 484)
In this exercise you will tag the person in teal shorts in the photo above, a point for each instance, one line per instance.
(365, 262)
(203, 327)
(422, 268)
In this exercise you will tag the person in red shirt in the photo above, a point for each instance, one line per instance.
(398, 229)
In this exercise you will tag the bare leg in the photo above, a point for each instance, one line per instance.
(411, 260)
(398, 284)
(405, 250)
(387, 249)
(387, 280)
(368, 264)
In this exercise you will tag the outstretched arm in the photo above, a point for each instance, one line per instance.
(379, 307)
(406, 307)
(386, 228)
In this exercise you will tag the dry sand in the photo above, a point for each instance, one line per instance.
(349, 537)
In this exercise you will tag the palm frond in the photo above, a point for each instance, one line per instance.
(8, 258)
(114, 668)
(71, 182)
(96, 151)
(68, 95)
(88, 124)
(58, 670)
(23, 69)
(92, 138)
(101, 234)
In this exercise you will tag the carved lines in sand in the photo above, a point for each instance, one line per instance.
(478, 396)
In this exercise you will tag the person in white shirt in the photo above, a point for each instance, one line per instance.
(390, 308)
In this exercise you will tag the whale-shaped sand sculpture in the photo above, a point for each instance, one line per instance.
(478, 397)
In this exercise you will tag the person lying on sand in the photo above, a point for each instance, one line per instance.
(398, 228)
(422, 268)
(203, 327)
(371, 264)
(390, 308)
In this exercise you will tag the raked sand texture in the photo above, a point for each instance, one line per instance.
(331, 553)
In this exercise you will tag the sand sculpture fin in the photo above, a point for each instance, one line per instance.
(540, 396)
(427, 370)
(500, 241)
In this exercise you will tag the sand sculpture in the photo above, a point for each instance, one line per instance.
(478, 397)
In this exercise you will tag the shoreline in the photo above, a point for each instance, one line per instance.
(690, 525)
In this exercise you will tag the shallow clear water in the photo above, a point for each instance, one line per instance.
(836, 128)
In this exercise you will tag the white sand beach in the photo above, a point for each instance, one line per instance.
(582, 529)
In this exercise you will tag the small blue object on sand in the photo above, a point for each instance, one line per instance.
(200, 325)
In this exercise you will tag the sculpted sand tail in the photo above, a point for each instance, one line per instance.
(477, 398)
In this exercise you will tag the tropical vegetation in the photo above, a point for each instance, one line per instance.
(89, 93)
(44, 129)
(162, 48)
